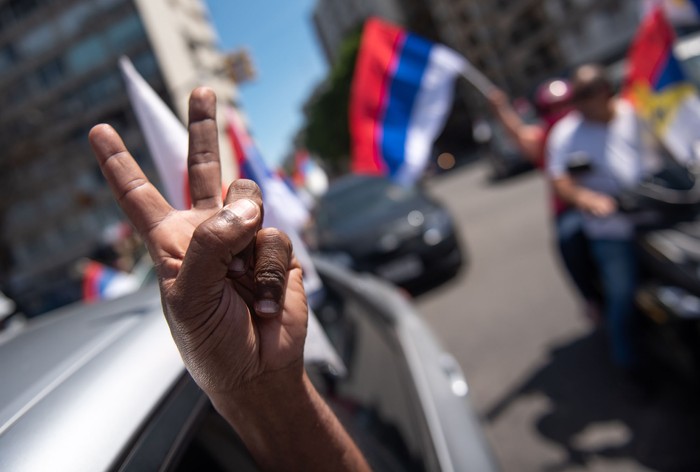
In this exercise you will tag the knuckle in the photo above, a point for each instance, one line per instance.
(270, 274)
(270, 280)
(204, 157)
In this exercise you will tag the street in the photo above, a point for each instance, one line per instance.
(539, 375)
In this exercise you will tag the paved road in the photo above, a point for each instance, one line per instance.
(538, 375)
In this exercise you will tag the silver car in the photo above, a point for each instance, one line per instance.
(102, 387)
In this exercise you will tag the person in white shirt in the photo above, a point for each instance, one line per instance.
(604, 133)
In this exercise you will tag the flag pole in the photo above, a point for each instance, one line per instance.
(476, 78)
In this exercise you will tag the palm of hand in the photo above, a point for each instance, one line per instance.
(224, 342)
(230, 332)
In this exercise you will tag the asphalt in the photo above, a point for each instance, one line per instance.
(538, 373)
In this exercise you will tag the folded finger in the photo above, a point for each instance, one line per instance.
(139, 199)
(214, 245)
(273, 256)
(249, 190)
(204, 167)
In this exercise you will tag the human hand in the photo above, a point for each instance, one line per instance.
(232, 293)
(597, 204)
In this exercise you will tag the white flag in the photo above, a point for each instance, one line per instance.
(165, 135)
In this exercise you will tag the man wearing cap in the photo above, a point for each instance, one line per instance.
(604, 136)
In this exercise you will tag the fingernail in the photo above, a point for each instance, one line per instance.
(244, 209)
(267, 307)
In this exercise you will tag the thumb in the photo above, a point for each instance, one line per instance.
(214, 245)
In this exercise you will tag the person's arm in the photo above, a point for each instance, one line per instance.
(285, 424)
(528, 138)
(586, 200)
(234, 300)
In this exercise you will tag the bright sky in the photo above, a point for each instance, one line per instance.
(280, 37)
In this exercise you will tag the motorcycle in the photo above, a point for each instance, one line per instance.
(666, 210)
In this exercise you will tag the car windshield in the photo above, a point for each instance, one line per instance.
(375, 194)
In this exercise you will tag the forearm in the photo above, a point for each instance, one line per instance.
(286, 425)
(528, 138)
(509, 119)
(568, 191)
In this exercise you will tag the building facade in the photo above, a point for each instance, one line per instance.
(335, 19)
(518, 43)
(58, 77)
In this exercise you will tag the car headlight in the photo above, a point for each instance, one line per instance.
(438, 226)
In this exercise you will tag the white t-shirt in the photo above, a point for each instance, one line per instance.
(620, 153)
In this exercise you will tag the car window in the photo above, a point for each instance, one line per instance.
(376, 401)
(186, 434)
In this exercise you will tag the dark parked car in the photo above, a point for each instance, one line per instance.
(102, 387)
(396, 232)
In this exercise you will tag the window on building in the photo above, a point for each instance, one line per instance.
(147, 65)
(51, 73)
(125, 33)
(101, 89)
(37, 41)
(72, 20)
(85, 55)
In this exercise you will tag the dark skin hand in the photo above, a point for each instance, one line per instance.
(233, 297)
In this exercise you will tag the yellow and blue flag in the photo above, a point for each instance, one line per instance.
(678, 12)
(658, 88)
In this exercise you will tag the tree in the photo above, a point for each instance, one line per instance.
(327, 132)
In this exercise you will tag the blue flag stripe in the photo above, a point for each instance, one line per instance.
(696, 4)
(104, 280)
(671, 74)
(403, 90)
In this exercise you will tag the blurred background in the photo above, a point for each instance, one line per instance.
(483, 273)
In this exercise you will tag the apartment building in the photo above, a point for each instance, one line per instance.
(518, 43)
(58, 77)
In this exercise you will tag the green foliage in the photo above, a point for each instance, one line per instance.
(327, 132)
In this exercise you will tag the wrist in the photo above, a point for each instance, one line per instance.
(581, 198)
(265, 392)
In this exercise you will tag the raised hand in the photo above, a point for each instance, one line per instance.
(232, 293)
(233, 297)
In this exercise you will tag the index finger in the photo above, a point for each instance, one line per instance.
(139, 199)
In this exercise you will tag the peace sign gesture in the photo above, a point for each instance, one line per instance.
(232, 292)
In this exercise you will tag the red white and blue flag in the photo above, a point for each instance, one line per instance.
(402, 92)
(309, 179)
(101, 282)
(283, 208)
(658, 88)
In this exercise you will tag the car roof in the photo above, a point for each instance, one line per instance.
(350, 181)
(85, 374)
